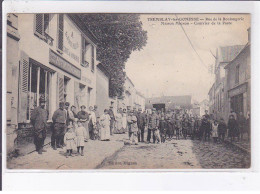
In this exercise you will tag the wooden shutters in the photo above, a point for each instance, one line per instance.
(39, 25)
(23, 87)
(60, 32)
(92, 58)
(60, 89)
(76, 95)
(83, 50)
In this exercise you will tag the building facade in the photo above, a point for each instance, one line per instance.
(56, 60)
(238, 82)
(223, 56)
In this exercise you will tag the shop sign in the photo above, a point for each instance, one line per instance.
(72, 40)
(66, 66)
(238, 90)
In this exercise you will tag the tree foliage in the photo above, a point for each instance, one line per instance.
(118, 35)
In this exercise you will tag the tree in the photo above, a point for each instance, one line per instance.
(118, 35)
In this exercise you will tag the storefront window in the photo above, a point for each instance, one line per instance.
(38, 85)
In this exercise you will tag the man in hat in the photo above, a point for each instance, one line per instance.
(59, 119)
(153, 124)
(133, 128)
(112, 119)
(39, 121)
(141, 125)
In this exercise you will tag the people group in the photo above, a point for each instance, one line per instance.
(72, 129)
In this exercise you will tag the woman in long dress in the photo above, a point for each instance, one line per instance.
(83, 116)
(105, 126)
(124, 121)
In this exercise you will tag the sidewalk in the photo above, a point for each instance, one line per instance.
(95, 152)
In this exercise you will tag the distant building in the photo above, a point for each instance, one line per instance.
(238, 81)
(169, 102)
(139, 100)
(199, 108)
(212, 99)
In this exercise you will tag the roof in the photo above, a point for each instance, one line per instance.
(244, 48)
(140, 94)
(103, 69)
(228, 53)
(171, 100)
(76, 19)
(130, 80)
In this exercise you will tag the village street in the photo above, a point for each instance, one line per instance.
(174, 154)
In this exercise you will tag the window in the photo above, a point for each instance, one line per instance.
(41, 25)
(60, 32)
(38, 86)
(88, 54)
(237, 75)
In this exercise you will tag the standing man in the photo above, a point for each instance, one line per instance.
(59, 119)
(141, 125)
(133, 128)
(207, 114)
(39, 122)
(92, 123)
(153, 124)
(241, 120)
(112, 119)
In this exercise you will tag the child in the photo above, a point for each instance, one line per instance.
(163, 129)
(157, 136)
(69, 140)
(215, 131)
(80, 132)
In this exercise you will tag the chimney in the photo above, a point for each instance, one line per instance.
(249, 34)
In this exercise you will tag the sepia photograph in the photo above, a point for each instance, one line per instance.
(99, 91)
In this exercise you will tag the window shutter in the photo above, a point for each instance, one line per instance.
(23, 87)
(46, 22)
(92, 58)
(39, 24)
(83, 50)
(76, 95)
(60, 31)
(60, 89)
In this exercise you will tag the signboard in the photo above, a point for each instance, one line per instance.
(238, 90)
(66, 66)
(72, 40)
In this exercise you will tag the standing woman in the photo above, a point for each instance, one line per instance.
(105, 126)
(119, 122)
(83, 116)
(124, 121)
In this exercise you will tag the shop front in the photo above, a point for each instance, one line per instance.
(238, 98)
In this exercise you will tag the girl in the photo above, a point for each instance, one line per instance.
(105, 126)
(215, 131)
(69, 140)
(80, 136)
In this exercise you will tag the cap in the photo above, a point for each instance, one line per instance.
(82, 106)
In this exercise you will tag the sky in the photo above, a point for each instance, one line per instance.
(168, 65)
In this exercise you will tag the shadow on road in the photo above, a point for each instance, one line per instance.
(219, 155)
